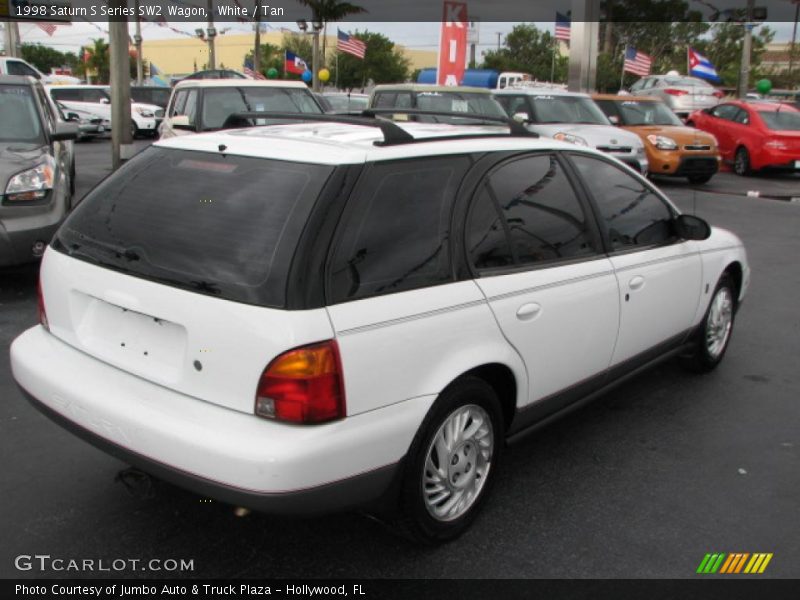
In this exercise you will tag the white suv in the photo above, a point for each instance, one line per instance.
(312, 316)
(96, 99)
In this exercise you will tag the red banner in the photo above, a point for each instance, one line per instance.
(453, 43)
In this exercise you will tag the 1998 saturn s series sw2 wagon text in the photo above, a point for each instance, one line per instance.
(311, 316)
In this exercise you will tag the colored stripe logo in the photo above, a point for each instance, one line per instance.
(736, 562)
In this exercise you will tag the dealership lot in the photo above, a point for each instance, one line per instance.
(642, 483)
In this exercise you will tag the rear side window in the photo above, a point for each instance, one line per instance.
(220, 225)
(395, 234)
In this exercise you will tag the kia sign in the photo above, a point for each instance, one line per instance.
(453, 43)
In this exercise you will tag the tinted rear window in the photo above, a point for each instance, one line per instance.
(220, 225)
(221, 103)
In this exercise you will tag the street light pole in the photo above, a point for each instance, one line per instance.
(211, 33)
(794, 40)
(121, 134)
(747, 45)
(137, 40)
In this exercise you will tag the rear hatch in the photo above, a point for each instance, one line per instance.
(175, 269)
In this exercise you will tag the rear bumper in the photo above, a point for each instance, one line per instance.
(332, 497)
(222, 453)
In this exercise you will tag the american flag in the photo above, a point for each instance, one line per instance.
(637, 63)
(347, 43)
(48, 28)
(563, 24)
(248, 70)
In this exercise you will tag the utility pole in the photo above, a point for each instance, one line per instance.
(137, 40)
(211, 33)
(12, 44)
(794, 40)
(499, 33)
(747, 44)
(121, 134)
(257, 44)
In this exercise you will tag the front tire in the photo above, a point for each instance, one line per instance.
(741, 162)
(715, 333)
(452, 463)
(134, 130)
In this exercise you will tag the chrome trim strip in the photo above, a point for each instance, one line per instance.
(551, 285)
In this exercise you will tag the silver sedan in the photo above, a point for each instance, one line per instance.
(681, 93)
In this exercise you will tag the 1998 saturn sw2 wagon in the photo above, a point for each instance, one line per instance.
(311, 316)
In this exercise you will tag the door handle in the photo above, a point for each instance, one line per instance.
(636, 282)
(529, 311)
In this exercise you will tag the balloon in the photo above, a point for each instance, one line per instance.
(324, 75)
(306, 76)
(763, 86)
(272, 72)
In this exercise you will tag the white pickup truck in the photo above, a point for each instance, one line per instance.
(17, 66)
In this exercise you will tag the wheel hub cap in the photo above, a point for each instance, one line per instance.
(457, 463)
(720, 320)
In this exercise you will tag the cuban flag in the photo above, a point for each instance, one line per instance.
(294, 64)
(701, 67)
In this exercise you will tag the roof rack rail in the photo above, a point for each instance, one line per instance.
(516, 128)
(392, 132)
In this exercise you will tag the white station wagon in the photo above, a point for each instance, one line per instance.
(352, 312)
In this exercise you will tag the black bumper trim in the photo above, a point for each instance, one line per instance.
(353, 492)
(697, 165)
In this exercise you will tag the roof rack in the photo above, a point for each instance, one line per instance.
(516, 128)
(393, 134)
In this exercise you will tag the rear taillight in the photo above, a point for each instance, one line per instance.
(674, 92)
(40, 310)
(303, 385)
(718, 94)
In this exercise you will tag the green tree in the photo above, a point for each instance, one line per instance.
(271, 57)
(97, 61)
(329, 11)
(382, 63)
(529, 50)
(45, 58)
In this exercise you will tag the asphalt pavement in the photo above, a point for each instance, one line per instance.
(641, 483)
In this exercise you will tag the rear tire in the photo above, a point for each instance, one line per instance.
(715, 332)
(451, 465)
(698, 179)
(741, 162)
(134, 130)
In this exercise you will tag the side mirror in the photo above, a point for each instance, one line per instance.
(521, 117)
(614, 119)
(689, 227)
(181, 122)
(64, 131)
(105, 101)
(71, 116)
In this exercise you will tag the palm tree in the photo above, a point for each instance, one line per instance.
(330, 11)
(98, 59)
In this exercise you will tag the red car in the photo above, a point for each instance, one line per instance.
(753, 135)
